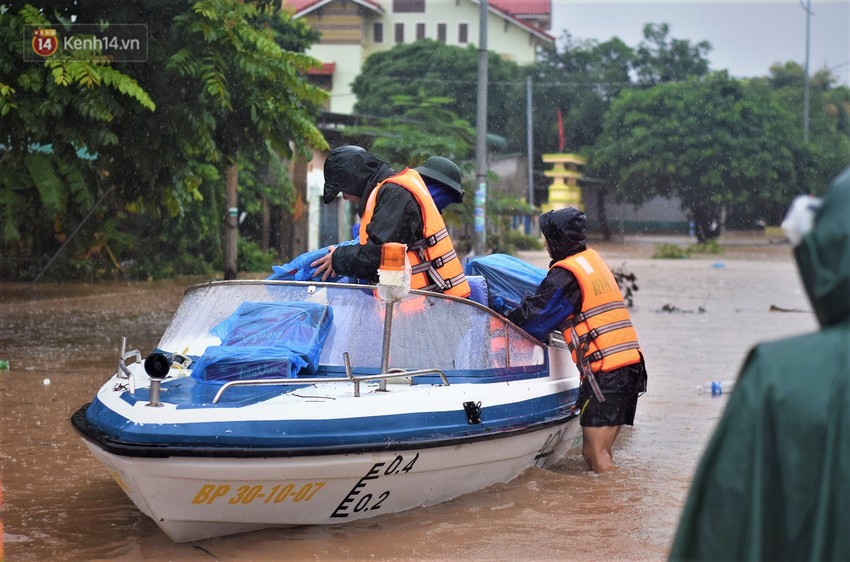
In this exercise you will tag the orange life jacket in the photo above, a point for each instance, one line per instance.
(433, 260)
(601, 335)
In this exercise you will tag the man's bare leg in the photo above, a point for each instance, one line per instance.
(596, 448)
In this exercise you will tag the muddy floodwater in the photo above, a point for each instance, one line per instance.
(695, 318)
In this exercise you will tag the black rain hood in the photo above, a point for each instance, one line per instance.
(351, 169)
(565, 231)
(823, 255)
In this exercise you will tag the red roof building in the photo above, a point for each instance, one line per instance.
(351, 30)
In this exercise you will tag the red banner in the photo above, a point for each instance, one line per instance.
(560, 132)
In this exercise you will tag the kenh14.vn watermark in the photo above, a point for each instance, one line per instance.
(127, 42)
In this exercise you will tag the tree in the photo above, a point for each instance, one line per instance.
(424, 128)
(56, 117)
(706, 141)
(828, 150)
(227, 79)
(430, 69)
(658, 59)
(580, 80)
(247, 85)
(583, 77)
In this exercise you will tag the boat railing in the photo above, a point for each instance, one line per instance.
(123, 371)
(350, 377)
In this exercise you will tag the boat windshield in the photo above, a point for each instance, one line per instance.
(428, 331)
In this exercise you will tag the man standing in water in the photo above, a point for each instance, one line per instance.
(581, 298)
(772, 483)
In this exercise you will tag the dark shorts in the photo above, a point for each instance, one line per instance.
(621, 389)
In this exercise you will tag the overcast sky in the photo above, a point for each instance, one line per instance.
(746, 37)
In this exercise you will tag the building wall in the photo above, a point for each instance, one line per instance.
(348, 37)
(512, 172)
(342, 26)
(659, 215)
(348, 59)
(507, 39)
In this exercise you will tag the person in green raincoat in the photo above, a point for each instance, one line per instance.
(774, 481)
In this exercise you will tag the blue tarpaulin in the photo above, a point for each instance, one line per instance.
(299, 269)
(266, 340)
(508, 279)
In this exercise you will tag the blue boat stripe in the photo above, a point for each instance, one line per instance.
(364, 431)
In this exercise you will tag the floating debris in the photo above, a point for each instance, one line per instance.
(774, 308)
(667, 307)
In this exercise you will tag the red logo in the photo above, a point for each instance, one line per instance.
(45, 42)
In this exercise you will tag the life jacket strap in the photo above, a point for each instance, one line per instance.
(429, 241)
(596, 332)
(602, 353)
(583, 364)
(447, 283)
(608, 307)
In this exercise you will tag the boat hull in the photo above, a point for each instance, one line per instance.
(193, 498)
(393, 406)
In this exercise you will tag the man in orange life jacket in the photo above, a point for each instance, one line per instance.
(395, 207)
(581, 298)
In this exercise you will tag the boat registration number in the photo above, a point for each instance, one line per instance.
(248, 494)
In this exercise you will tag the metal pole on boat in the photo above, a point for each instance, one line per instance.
(393, 285)
(385, 351)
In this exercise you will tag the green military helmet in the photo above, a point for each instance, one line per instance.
(444, 171)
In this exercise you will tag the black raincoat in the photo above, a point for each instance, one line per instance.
(397, 217)
(559, 295)
(773, 482)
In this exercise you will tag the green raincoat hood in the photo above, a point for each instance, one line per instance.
(823, 255)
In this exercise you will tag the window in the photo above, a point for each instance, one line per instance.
(399, 33)
(378, 32)
(409, 6)
(463, 33)
(441, 32)
(420, 31)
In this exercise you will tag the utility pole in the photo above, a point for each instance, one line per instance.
(530, 142)
(808, 8)
(480, 246)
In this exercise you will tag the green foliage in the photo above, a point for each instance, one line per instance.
(677, 252)
(658, 59)
(502, 237)
(509, 241)
(671, 252)
(706, 141)
(580, 80)
(254, 259)
(55, 115)
(711, 247)
(828, 149)
(425, 127)
(224, 82)
(429, 69)
(238, 71)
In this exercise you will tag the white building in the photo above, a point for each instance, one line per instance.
(351, 30)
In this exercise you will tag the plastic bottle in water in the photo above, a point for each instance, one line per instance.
(715, 388)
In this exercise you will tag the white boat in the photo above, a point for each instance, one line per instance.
(405, 404)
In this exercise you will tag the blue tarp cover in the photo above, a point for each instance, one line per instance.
(478, 290)
(508, 279)
(266, 340)
(299, 268)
